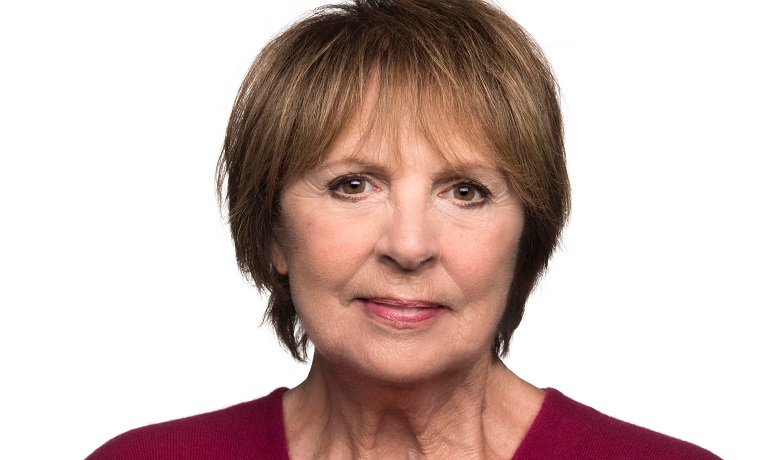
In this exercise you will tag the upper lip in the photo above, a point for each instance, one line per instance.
(403, 303)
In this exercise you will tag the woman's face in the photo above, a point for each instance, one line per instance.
(399, 263)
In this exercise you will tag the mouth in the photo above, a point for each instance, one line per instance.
(402, 313)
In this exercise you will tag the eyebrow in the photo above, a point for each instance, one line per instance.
(463, 170)
(450, 172)
(352, 163)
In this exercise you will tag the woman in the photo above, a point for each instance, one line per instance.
(395, 178)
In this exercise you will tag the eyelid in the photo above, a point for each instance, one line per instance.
(450, 184)
(338, 181)
(479, 186)
(334, 185)
(481, 189)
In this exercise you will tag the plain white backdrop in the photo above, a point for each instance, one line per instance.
(120, 300)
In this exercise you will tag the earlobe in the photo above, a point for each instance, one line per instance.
(277, 257)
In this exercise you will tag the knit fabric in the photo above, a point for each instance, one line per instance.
(249, 431)
(563, 429)
(566, 429)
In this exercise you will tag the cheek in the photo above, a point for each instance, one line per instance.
(325, 255)
(325, 252)
(484, 268)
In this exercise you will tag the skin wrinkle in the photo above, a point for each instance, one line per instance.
(451, 64)
(425, 93)
(378, 392)
(431, 437)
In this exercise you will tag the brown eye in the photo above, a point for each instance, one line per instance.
(468, 192)
(464, 192)
(354, 186)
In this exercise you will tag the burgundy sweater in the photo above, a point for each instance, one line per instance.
(563, 429)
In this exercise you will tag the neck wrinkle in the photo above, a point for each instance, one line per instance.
(335, 414)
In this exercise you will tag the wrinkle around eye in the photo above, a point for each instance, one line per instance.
(352, 187)
(467, 194)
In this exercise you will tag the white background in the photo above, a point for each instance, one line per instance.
(121, 302)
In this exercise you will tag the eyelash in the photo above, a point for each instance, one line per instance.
(334, 185)
(481, 189)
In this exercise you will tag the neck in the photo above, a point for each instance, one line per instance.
(481, 411)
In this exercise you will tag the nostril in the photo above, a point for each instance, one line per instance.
(408, 248)
(409, 264)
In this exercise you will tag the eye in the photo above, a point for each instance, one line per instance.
(348, 187)
(355, 186)
(464, 192)
(468, 192)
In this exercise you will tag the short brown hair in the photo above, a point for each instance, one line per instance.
(464, 58)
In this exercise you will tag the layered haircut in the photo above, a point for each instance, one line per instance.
(455, 65)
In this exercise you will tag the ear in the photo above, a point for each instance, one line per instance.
(277, 256)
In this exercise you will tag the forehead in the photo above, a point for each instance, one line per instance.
(388, 124)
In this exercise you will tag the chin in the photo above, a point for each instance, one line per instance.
(401, 363)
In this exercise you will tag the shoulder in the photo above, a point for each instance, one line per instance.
(565, 428)
(251, 430)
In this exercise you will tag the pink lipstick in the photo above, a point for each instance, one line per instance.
(402, 312)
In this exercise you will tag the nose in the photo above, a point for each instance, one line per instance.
(408, 239)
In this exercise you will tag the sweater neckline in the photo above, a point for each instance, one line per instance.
(539, 426)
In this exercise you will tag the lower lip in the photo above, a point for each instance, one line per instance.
(401, 316)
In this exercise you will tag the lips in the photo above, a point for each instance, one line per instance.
(402, 312)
